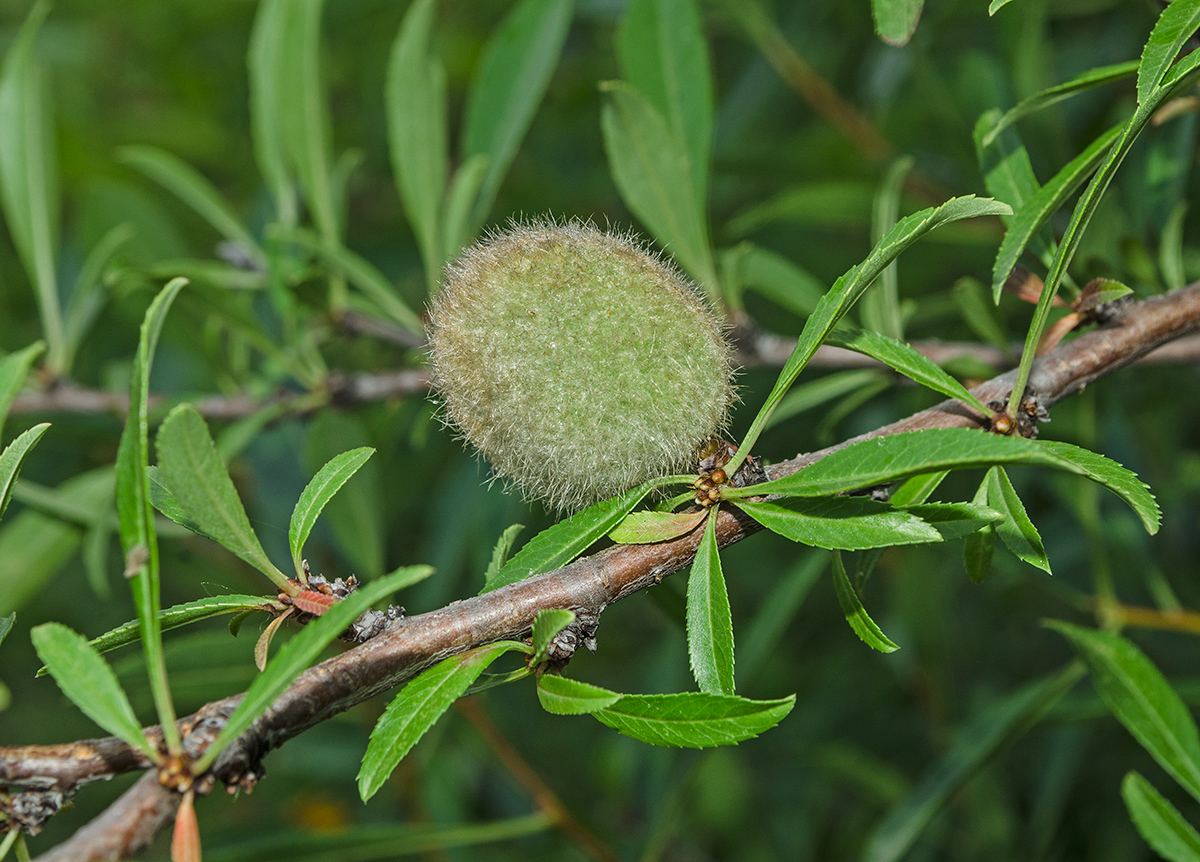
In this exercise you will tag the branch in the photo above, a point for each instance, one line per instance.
(587, 585)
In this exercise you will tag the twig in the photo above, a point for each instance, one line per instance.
(587, 585)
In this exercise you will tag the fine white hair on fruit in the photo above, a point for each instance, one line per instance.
(576, 361)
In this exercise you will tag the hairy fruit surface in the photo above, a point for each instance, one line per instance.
(577, 362)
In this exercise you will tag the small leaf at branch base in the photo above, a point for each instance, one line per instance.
(546, 625)
(185, 839)
(562, 696)
(1158, 821)
(500, 551)
(417, 707)
(856, 614)
(641, 528)
(693, 719)
(318, 492)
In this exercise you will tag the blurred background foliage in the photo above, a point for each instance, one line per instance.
(882, 754)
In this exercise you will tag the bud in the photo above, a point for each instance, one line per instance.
(577, 362)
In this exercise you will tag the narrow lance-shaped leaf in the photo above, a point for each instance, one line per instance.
(1142, 700)
(1035, 212)
(664, 55)
(693, 719)
(417, 707)
(457, 229)
(844, 523)
(89, 291)
(640, 528)
(6, 624)
(29, 174)
(709, 620)
(881, 307)
(416, 124)
(1016, 530)
(508, 85)
(846, 291)
(14, 368)
(955, 520)
(559, 695)
(546, 625)
(896, 20)
(1158, 821)
(905, 359)
(11, 459)
(979, 547)
(500, 551)
(301, 651)
(568, 539)
(866, 629)
(317, 493)
(192, 471)
(1176, 25)
(88, 681)
(266, 62)
(1053, 95)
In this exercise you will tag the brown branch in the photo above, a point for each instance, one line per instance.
(587, 585)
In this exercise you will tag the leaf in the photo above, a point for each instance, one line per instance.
(195, 190)
(846, 291)
(709, 620)
(641, 528)
(1141, 698)
(882, 460)
(881, 307)
(262, 647)
(955, 520)
(89, 683)
(317, 493)
(546, 626)
(301, 651)
(1170, 248)
(693, 719)
(918, 489)
(457, 229)
(1037, 210)
(1007, 172)
(500, 551)
(11, 459)
(192, 470)
(844, 523)
(1016, 530)
(1082, 82)
(29, 175)
(417, 131)
(814, 393)
(980, 313)
(558, 545)
(88, 293)
(559, 695)
(508, 85)
(1158, 821)
(1176, 25)
(855, 613)
(777, 278)
(14, 368)
(979, 547)
(905, 359)
(975, 744)
(651, 169)
(265, 62)
(416, 708)
(6, 624)
(896, 20)
(664, 56)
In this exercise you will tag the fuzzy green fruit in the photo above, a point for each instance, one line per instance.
(577, 362)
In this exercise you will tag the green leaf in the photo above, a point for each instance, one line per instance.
(508, 85)
(1141, 699)
(664, 55)
(855, 613)
(417, 136)
(192, 471)
(651, 169)
(776, 277)
(842, 523)
(317, 493)
(883, 460)
(195, 190)
(14, 368)
(559, 695)
(416, 708)
(558, 545)
(641, 528)
(1016, 530)
(903, 358)
(975, 744)
(1082, 82)
(1007, 172)
(693, 719)
(301, 651)
(89, 683)
(500, 551)
(846, 291)
(265, 61)
(980, 313)
(814, 393)
(955, 520)
(29, 175)
(457, 229)
(1035, 212)
(979, 547)
(896, 20)
(1176, 25)
(1158, 821)
(709, 620)
(881, 307)
(88, 293)
(918, 489)
(11, 459)
(1170, 248)
(546, 625)
(6, 624)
